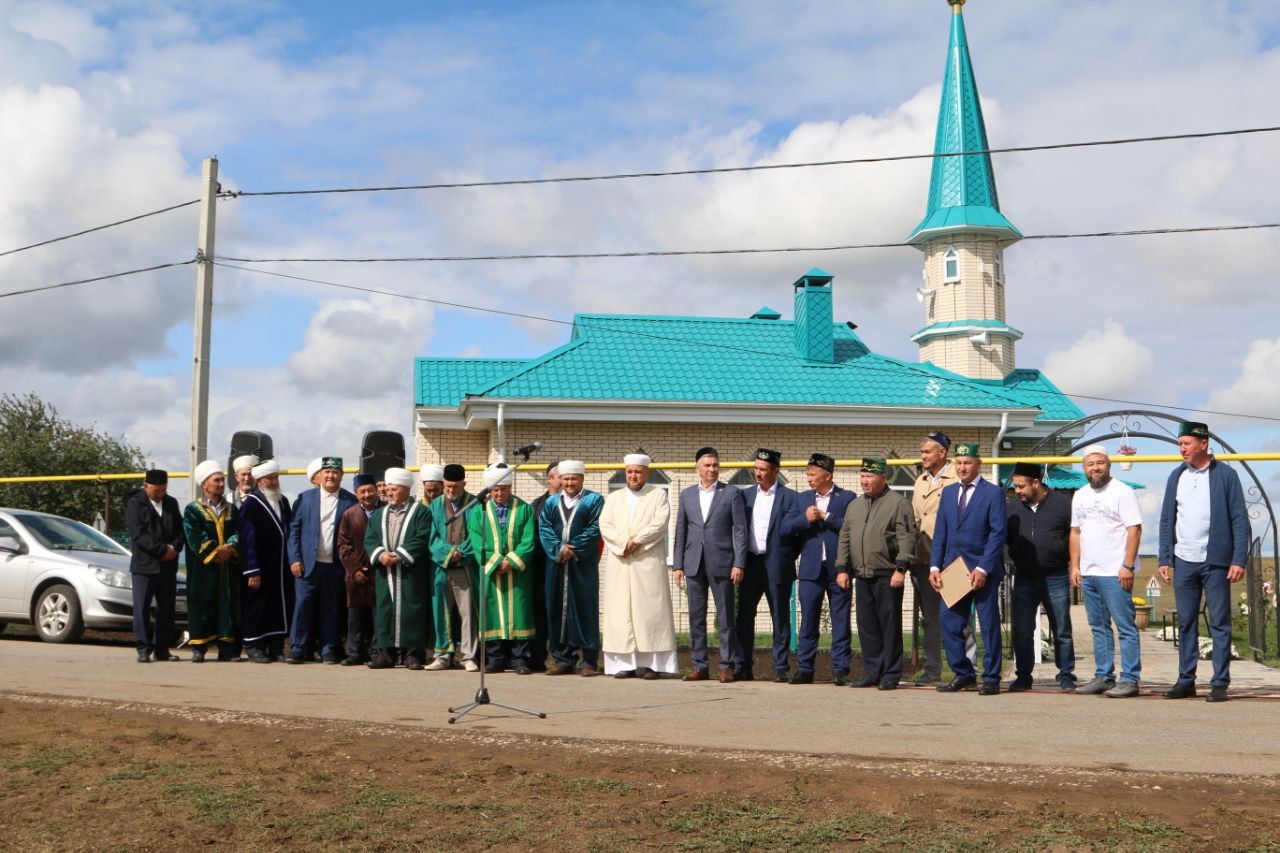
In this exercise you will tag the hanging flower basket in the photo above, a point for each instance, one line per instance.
(1126, 450)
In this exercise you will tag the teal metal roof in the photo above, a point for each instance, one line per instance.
(446, 381)
(984, 323)
(962, 190)
(1035, 389)
(727, 360)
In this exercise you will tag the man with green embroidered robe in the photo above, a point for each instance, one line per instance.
(569, 531)
(453, 600)
(213, 567)
(397, 545)
(503, 536)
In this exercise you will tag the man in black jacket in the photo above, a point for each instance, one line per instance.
(154, 521)
(1038, 531)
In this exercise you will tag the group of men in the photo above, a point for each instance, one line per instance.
(439, 576)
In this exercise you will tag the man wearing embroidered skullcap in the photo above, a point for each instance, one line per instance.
(1204, 542)
(319, 578)
(266, 593)
(569, 532)
(936, 474)
(823, 506)
(1106, 530)
(710, 553)
(213, 567)
(639, 626)
(396, 542)
(503, 535)
(1039, 527)
(358, 571)
(154, 521)
(453, 600)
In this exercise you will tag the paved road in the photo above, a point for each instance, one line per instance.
(1041, 728)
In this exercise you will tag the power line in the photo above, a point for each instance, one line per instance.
(758, 168)
(1146, 232)
(710, 345)
(100, 227)
(96, 278)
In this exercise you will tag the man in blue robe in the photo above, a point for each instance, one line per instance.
(569, 532)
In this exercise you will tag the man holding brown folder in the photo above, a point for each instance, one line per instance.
(969, 537)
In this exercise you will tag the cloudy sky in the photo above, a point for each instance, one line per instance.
(107, 109)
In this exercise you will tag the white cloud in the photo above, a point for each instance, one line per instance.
(1256, 390)
(72, 28)
(1103, 362)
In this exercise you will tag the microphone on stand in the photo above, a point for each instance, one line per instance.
(532, 447)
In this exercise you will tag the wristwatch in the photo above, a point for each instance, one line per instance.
(1126, 566)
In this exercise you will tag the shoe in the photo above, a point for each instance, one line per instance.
(1095, 687)
(626, 673)
(353, 660)
(697, 675)
(1216, 694)
(332, 660)
(1122, 690)
(840, 679)
(167, 656)
(927, 679)
(1020, 685)
(588, 671)
(887, 684)
(1067, 686)
(956, 685)
(781, 676)
(381, 662)
(802, 677)
(726, 676)
(989, 688)
(414, 664)
(438, 665)
(538, 667)
(144, 657)
(744, 675)
(865, 681)
(523, 669)
(651, 675)
(557, 669)
(296, 657)
(197, 654)
(470, 666)
(1181, 690)
(258, 656)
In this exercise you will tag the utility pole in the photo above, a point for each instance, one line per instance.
(203, 321)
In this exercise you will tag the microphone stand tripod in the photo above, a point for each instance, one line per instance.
(482, 695)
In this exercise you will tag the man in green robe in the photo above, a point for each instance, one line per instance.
(569, 530)
(503, 536)
(453, 600)
(396, 542)
(213, 567)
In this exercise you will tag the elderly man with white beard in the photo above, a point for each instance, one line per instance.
(639, 629)
(267, 594)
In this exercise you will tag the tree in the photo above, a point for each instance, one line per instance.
(35, 441)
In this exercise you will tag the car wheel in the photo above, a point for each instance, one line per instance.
(57, 616)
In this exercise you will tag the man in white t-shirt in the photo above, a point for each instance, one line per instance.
(1106, 527)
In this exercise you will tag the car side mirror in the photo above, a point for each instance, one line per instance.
(8, 543)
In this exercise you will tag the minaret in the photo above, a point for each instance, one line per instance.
(963, 235)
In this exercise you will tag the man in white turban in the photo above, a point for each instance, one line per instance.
(213, 576)
(267, 594)
(397, 545)
(639, 629)
(569, 531)
(432, 477)
(242, 472)
(503, 538)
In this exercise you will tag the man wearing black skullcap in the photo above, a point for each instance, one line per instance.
(359, 571)
(1038, 531)
(154, 521)
(1204, 538)
(823, 507)
(453, 601)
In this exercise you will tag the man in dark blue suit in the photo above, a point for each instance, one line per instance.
(971, 525)
(773, 519)
(822, 509)
(319, 579)
(711, 549)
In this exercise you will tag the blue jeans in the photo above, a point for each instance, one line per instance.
(1105, 601)
(1029, 593)
(1189, 580)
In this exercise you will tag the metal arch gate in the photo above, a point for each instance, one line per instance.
(1125, 424)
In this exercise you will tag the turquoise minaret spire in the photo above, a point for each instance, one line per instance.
(962, 190)
(963, 235)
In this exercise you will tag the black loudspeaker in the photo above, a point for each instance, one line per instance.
(252, 443)
(380, 450)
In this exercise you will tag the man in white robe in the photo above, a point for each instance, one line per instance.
(639, 627)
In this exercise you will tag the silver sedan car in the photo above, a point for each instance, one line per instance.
(62, 576)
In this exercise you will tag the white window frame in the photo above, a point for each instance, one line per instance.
(950, 256)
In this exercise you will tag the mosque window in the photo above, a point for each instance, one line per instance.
(951, 265)
(999, 267)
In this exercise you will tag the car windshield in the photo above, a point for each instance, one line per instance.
(63, 534)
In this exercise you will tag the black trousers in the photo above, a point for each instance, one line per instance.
(161, 590)
(879, 615)
(755, 585)
(359, 631)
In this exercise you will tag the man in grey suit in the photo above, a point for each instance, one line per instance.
(710, 553)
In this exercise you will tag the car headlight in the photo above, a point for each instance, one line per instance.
(113, 577)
